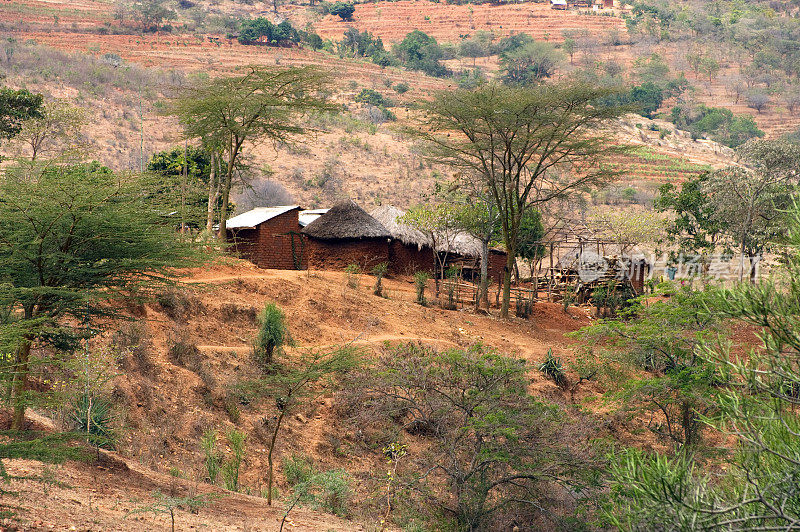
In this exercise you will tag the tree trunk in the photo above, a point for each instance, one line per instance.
(689, 421)
(184, 182)
(436, 269)
(270, 470)
(483, 295)
(226, 191)
(213, 193)
(507, 283)
(19, 383)
(754, 260)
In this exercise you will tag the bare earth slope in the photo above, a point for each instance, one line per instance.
(167, 397)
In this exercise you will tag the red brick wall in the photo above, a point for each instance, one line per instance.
(405, 259)
(323, 255)
(270, 244)
(497, 264)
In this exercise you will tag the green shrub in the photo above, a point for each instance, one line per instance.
(420, 282)
(329, 491)
(351, 273)
(92, 416)
(379, 271)
(297, 468)
(231, 467)
(335, 491)
(402, 88)
(372, 97)
(343, 10)
(213, 459)
(553, 369)
(272, 333)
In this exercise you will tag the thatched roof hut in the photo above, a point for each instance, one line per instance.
(346, 221)
(388, 216)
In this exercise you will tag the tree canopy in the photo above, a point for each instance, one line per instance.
(71, 238)
(16, 106)
(525, 145)
(530, 63)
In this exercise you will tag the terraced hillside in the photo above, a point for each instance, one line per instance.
(392, 21)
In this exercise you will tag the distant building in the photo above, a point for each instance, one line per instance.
(345, 235)
(558, 4)
(289, 238)
(269, 237)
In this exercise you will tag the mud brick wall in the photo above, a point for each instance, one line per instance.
(337, 255)
(270, 244)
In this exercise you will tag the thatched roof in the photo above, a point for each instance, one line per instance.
(346, 221)
(466, 245)
(388, 216)
(462, 244)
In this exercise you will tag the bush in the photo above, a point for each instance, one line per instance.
(261, 30)
(553, 369)
(92, 416)
(401, 88)
(720, 124)
(420, 51)
(420, 282)
(272, 333)
(373, 97)
(213, 459)
(329, 491)
(231, 467)
(343, 10)
(379, 271)
(352, 272)
(297, 468)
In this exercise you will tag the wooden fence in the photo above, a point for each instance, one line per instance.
(459, 294)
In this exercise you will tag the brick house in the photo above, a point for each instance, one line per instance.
(345, 235)
(269, 237)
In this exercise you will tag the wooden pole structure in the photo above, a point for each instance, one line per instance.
(550, 280)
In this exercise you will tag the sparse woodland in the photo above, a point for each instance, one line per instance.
(151, 381)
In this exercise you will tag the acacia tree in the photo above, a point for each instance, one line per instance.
(489, 446)
(71, 238)
(529, 64)
(292, 383)
(58, 124)
(478, 216)
(263, 104)
(695, 228)
(441, 224)
(527, 146)
(750, 200)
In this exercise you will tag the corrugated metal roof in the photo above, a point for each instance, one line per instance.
(308, 216)
(251, 219)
